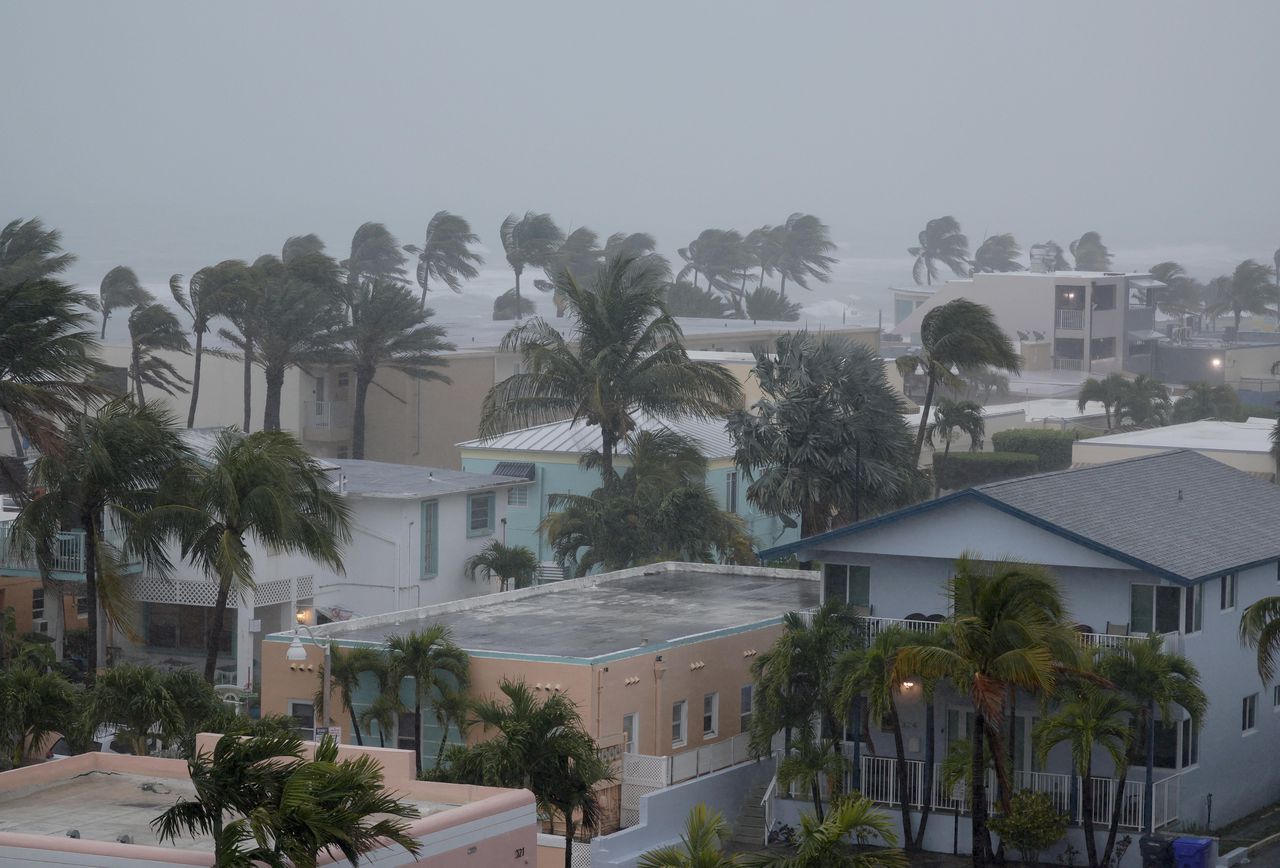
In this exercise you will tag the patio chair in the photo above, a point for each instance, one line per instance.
(1117, 629)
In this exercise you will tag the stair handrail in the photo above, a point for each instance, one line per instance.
(770, 793)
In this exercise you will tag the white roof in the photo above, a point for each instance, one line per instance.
(1205, 435)
(988, 412)
(410, 481)
(1054, 408)
(577, 438)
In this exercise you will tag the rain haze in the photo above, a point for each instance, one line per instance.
(168, 136)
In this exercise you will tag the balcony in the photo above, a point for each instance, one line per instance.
(67, 562)
(1071, 319)
(326, 421)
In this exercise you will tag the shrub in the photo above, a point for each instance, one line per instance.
(1033, 824)
(967, 469)
(1052, 448)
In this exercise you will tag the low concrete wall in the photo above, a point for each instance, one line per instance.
(663, 813)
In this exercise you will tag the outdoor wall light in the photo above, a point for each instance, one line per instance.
(1216, 362)
(907, 685)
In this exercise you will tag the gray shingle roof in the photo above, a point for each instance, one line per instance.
(1177, 511)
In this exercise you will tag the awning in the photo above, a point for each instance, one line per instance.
(1147, 283)
(517, 469)
(1146, 335)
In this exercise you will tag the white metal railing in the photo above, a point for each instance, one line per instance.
(327, 414)
(1064, 364)
(1068, 318)
(875, 626)
(68, 551)
(770, 796)
(711, 758)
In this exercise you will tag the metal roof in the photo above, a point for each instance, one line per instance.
(577, 438)
(1177, 514)
(408, 481)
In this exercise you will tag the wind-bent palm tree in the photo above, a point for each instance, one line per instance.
(1090, 253)
(1058, 261)
(240, 307)
(153, 329)
(258, 488)
(446, 253)
(207, 293)
(531, 240)
(104, 481)
(511, 306)
(1111, 391)
(120, 287)
(685, 299)
(376, 255)
(346, 666)
(941, 241)
(508, 563)
(29, 252)
(763, 249)
(437, 666)
(824, 843)
(998, 253)
(956, 417)
(804, 247)
(766, 303)
(1260, 624)
(541, 746)
(635, 244)
(1144, 402)
(386, 329)
(723, 258)
(1206, 401)
(1249, 291)
(1155, 679)
(627, 356)
(137, 700)
(1003, 633)
(578, 255)
(957, 337)
(704, 832)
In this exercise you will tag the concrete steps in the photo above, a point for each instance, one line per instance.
(748, 827)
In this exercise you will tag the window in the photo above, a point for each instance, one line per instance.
(82, 607)
(1068, 348)
(183, 628)
(710, 714)
(480, 514)
(1154, 609)
(1069, 297)
(731, 491)
(1227, 592)
(848, 582)
(1194, 618)
(1166, 745)
(744, 708)
(304, 719)
(518, 496)
(1104, 297)
(430, 538)
(1102, 348)
(1140, 348)
(1249, 713)
(37, 603)
(404, 730)
(679, 720)
(1190, 743)
(319, 396)
(630, 733)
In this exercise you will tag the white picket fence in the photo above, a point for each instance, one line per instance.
(642, 773)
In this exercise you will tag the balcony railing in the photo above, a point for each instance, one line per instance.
(327, 415)
(67, 557)
(1068, 318)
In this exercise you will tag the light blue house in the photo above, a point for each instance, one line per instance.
(548, 455)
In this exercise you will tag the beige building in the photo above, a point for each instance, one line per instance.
(1243, 445)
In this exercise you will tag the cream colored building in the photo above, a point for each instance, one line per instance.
(1243, 445)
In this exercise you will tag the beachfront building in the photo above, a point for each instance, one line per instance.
(548, 456)
(1244, 445)
(1172, 543)
(97, 809)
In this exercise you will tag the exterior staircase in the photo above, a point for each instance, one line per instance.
(748, 828)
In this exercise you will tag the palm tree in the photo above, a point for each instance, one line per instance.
(956, 417)
(1110, 392)
(376, 255)
(509, 305)
(1090, 253)
(627, 357)
(685, 299)
(804, 247)
(763, 248)
(509, 563)
(207, 292)
(699, 847)
(822, 843)
(137, 701)
(1057, 262)
(35, 701)
(261, 487)
(1145, 401)
(1251, 290)
(767, 304)
(1005, 627)
(998, 253)
(826, 441)
(382, 711)
(578, 255)
(1156, 679)
(446, 253)
(1182, 295)
(1090, 717)
(437, 666)
(1205, 401)
(30, 252)
(1260, 623)
(386, 329)
(153, 329)
(635, 244)
(531, 240)
(956, 337)
(240, 307)
(810, 762)
(346, 666)
(119, 288)
(723, 258)
(104, 482)
(541, 746)
(941, 241)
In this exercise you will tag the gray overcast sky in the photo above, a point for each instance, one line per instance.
(168, 135)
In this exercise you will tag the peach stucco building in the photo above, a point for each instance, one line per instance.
(96, 809)
(657, 658)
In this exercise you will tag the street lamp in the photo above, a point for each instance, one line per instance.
(297, 653)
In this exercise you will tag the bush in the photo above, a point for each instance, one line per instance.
(1052, 448)
(967, 469)
(1033, 824)
(1257, 411)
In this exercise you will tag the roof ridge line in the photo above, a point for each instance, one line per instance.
(1164, 453)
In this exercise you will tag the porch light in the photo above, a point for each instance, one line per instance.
(1216, 362)
(906, 685)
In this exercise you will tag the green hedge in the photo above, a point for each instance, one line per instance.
(1052, 448)
(967, 469)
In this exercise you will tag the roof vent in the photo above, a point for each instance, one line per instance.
(1179, 494)
(73, 833)
(124, 839)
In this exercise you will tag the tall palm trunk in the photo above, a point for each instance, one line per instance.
(424, 291)
(248, 378)
(55, 613)
(568, 839)
(608, 443)
(1117, 805)
(1086, 808)
(364, 379)
(355, 726)
(1148, 813)
(417, 725)
(136, 365)
(214, 634)
(782, 275)
(444, 741)
(519, 312)
(195, 379)
(929, 750)
(89, 526)
(924, 413)
(978, 808)
(815, 788)
(904, 795)
(105, 315)
(275, 385)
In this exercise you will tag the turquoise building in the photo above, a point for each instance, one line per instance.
(548, 456)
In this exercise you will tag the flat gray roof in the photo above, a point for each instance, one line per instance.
(614, 614)
(381, 479)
